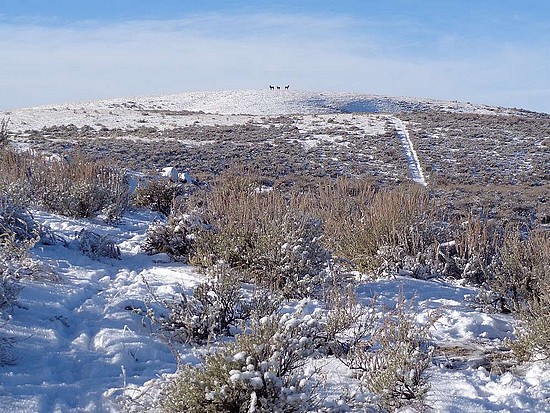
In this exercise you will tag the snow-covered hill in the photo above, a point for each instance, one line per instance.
(128, 112)
(81, 346)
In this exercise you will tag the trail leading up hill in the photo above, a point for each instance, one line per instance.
(410, 153)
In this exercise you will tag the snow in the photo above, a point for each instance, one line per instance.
(213, 108)
(171, 173)
(74, 337)
(410, 153)
(80, 346)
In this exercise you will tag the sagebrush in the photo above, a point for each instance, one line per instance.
(265, 370)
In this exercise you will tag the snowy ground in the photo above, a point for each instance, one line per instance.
(75, 337)
(78, 344)
(163, 111)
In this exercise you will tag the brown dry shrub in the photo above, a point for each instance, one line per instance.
(523, 275)
(261, 235)
(523, 280)
(475, 252)
(359, 220)
(80, 188)
(75, 186)
(4, 133)
(158, 195)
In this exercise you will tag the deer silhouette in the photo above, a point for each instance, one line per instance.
(287, 87)
(278, 87)
(271, 87)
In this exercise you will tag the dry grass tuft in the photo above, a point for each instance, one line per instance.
(74, 186)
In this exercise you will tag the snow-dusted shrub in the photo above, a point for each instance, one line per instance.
(467, 250)
(80, 188)
(18, 231)
(282, 253)
(523, 281)
(393, 358)
(6, 345)
(215, 308)
(9, 289)
(289, 257)
(522, 276)
(18, 234)
(16, 238)
(4, 133)
(265, 370)
(14, 175)
(175, 238)
(158, 195)
(533, 337)
(359, 220)
(269, 242)
(474, 252)
(347, 322)
(119, 200)
(96, 246)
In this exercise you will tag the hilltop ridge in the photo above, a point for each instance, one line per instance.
(236, 102)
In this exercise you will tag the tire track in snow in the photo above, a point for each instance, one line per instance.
(410, 153)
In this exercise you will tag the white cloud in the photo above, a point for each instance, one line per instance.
(89, 61)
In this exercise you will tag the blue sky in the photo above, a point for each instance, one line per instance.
(483, 51)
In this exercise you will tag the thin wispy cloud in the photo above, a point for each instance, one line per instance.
(90, 60)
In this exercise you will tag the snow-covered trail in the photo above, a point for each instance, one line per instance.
(75, 337)
(410, 153)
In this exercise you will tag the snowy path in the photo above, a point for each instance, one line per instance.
(74, 337)
(410, 153)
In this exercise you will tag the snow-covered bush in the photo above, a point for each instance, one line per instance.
(523, 272)
(158, 194)
(393, 358)
(347, 322)
(96, 246)
(175, 238)
(76, 186)
(215, 308)
(14, 175)
(6, 345)
(267, 241)
(4, 133)
(80, 188)
(18, 234)
(523, 281)
(18, 231)
(468, 250)
(474, 252)
(288, 257)
(265, 370)
(9, 289)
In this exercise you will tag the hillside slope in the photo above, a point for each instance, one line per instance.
(79, 338)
